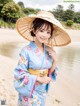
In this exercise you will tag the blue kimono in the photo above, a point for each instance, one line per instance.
(31, 94)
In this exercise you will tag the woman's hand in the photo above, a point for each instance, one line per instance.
(43, 80)
(52, 53)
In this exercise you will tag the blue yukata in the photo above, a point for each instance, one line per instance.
(30, 93)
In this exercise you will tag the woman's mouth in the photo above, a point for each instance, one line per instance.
(43, 38)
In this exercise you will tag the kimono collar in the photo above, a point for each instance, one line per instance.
(36, 48)
(32, 44)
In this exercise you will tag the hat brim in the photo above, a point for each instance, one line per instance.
(59, 38)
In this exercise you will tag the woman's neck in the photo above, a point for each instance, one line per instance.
(39, 44)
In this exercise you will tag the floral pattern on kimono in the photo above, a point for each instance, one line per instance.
(31, 94)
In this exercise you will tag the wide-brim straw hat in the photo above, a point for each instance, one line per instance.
(59, 37)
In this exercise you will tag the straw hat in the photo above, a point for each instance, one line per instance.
(59, 38)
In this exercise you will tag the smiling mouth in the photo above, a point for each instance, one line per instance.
(43, 38)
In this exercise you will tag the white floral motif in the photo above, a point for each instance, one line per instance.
(30, 102)
(38, 103)
(35, 97)
(22, 60)
(44, 94)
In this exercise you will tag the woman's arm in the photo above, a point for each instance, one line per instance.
(51, 70)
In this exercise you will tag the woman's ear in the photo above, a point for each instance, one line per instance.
(33, 31)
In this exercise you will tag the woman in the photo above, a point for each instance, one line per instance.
(37, 64)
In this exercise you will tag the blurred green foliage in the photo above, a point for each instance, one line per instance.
(10, 12)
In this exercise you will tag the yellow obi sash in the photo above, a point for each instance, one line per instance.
(40, 73)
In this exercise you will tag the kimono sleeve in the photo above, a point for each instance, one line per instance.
(24, 82)
(55, 73)
(53, 76)
(22, 67)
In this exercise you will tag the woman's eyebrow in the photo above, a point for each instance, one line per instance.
(45, 29)
(49, 30)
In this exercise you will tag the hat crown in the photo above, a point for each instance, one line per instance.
(49, 17)
(45, 14)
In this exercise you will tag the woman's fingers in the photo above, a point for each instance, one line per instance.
(47, 80)
(52, 53)
(44, 79)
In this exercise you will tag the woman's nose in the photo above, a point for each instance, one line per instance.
(44, 34)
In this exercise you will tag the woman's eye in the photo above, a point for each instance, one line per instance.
(41, 30)
(49, 32)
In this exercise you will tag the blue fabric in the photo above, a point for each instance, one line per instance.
(32, 57)
(54, 74)
(26, 89)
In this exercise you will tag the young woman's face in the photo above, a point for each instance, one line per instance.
(43, 34)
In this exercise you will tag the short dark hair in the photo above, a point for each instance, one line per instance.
(38, 23)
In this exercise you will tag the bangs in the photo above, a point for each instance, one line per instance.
(39, 23)
(46, 26)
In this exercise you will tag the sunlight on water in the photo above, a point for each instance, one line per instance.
(69, 60)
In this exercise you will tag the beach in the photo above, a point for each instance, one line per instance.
(62, 92)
